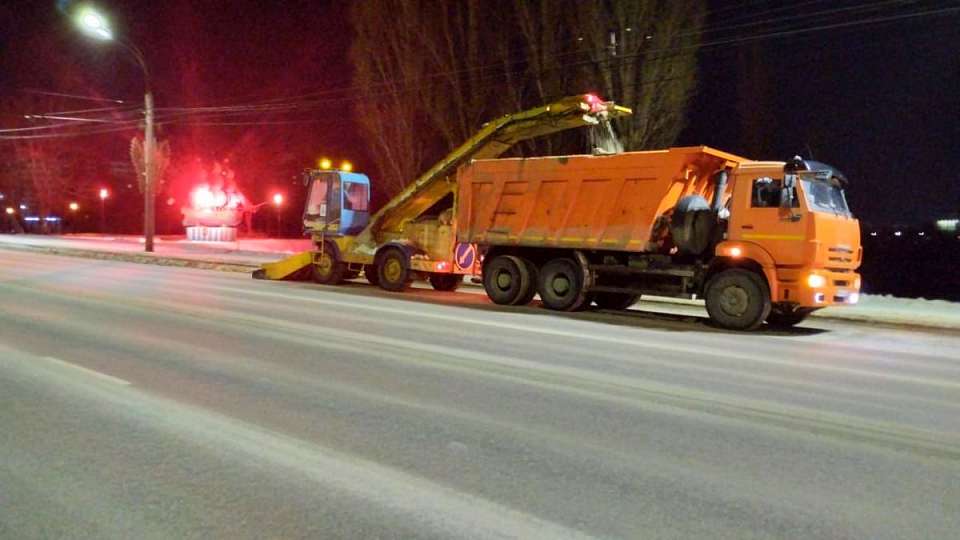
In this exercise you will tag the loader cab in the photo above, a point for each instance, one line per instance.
(338, 202)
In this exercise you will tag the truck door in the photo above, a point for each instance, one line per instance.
(769, 217)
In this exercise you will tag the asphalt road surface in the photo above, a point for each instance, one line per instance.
(147, 402)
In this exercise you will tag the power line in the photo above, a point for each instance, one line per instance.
(71, 96)
(289, 106)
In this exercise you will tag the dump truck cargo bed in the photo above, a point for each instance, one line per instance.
(597, 202)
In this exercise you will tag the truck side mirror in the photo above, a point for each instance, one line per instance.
(786, 194)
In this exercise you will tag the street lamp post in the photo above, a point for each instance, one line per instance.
(103, 202)
(278, 202)
(96, 25)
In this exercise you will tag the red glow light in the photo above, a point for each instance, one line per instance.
(277, 199)
(104, 193)
(596, 104)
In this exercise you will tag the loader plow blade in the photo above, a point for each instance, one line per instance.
(295, 268)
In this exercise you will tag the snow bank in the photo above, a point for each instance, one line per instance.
(893, 310)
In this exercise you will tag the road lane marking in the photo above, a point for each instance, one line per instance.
(88, 371)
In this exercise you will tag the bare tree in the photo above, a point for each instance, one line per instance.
(388, 66)
(643, 53)
(430, 73)
(48, 173)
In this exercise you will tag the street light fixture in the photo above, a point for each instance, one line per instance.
(10, 211)
(74, 207)
(96, 25)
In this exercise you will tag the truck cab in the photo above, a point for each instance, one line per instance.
(794, 221)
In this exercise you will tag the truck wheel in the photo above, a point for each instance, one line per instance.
(612, 300)
(527, 296)
(446, 282)
(393, 271)
(561, 286)
(506, 279)
(785, 317)
(738, 299)
(370, 272)
(327, 270)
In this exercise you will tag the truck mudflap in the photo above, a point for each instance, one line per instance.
(291, 268)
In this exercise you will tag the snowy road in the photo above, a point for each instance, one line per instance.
(139, 401)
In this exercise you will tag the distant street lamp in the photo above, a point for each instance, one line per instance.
(10, 211)
(74, 207)
(96, 25)
(103, 203)
(278, 202)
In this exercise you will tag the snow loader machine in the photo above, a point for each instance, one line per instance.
(414, 235)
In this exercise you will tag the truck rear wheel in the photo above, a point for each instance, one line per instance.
(738, 299)
(446, 282)
(393, 271)
(561, 285)
(531, 289)
(506, 280)
(612, 300)
(327, 270)
(785, 317)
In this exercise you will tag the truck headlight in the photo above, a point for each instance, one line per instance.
(815, 281)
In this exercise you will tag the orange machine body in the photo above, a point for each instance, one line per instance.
(622, 203)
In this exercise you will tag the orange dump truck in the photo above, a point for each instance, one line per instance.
(757, 240)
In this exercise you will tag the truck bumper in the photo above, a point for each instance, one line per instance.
(815, 288)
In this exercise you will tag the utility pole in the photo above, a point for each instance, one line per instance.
(94, 24)
(149, 182)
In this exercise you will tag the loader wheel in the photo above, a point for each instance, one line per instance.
(327, 270)
(561, 285)
(393, 271)
(785, 317)
(738, 299)
(612, 300)
(506, 280)
(372, 274)
(446, 282)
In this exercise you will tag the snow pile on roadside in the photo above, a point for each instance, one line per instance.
(893, 310)
(882, 309)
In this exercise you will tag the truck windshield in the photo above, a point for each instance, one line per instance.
(824, 195)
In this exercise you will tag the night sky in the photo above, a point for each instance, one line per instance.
(880, 101)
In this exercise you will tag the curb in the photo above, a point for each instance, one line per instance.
(139, 258)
